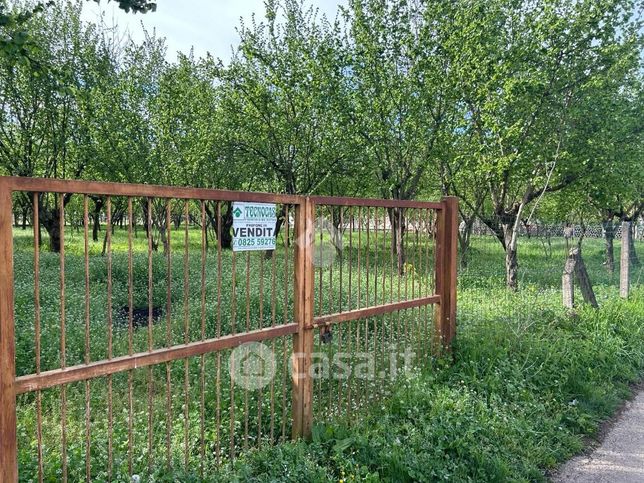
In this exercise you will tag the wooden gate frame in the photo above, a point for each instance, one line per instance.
(302, 328)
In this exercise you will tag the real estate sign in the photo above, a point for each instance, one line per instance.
(254, 226)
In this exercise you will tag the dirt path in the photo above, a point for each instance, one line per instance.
(620, 456)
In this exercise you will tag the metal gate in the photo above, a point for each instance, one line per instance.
(115, 362)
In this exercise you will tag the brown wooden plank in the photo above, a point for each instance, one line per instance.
(8, 443)
(450, 267)
(373, 202)
(374, 310)
(439, 281)
(49, 185)
(81, 372)
(303, 339)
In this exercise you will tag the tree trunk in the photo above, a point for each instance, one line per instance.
(96, 217)
(49, 220)
(25, 215)
(608, 229)
(281, 218)
(464, 238)
(511, 258)
(226, 226)
(634, 260)
(225, 222)
(397, 221)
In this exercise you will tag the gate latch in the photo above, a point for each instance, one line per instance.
(325, 334)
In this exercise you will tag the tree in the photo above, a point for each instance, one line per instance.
(283, 103)
(526, 73)
(399, 101)
(16, 44)
(45, 114)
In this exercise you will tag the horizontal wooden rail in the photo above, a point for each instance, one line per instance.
(34, 382)
(48, 185)
(372, 202)
(51, 185)
(374, 310)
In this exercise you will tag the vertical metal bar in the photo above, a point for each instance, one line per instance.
(108, 235)
(261, 325)
(150, 281)
(350, 262)
(285, 314)
(341, 251)
(367, 267)
(63, 348)
(321, 270)
(318, 388)
(383, 319)
(218, 377)
(427, 278)
(340, 327)
(36, 228)
(247, 329)
(413, 267)
(8, 441)
(233, 316)
(168, 334)
(350, 379)
(375, 256)
(399, 247)
(376, 339)
(130, 345)
(273, 321)
(405, 255)
(186, 336)
(150, 407)
(358, 391)
(393, 335)
(331, 266)
(359, 254)
(202, 407)
(366, 263)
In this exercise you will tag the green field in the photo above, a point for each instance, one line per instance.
(529, 380)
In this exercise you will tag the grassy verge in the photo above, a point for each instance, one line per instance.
(519, 399)
(528, 382)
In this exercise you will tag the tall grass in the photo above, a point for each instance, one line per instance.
(529, 380)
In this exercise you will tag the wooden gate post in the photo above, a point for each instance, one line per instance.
(8, 451)
(625, 261)
(303, 338)
(446, 266)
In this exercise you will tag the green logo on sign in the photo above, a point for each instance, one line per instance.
(237, 212)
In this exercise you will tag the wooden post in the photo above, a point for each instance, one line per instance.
(575, 265)
(446, 266)
(567, 282)
(303, 339)
(585, 286)
(625, 260)
(8, 452)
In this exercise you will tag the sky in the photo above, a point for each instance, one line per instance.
(206, 25)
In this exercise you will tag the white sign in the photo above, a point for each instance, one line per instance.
(254, 226)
